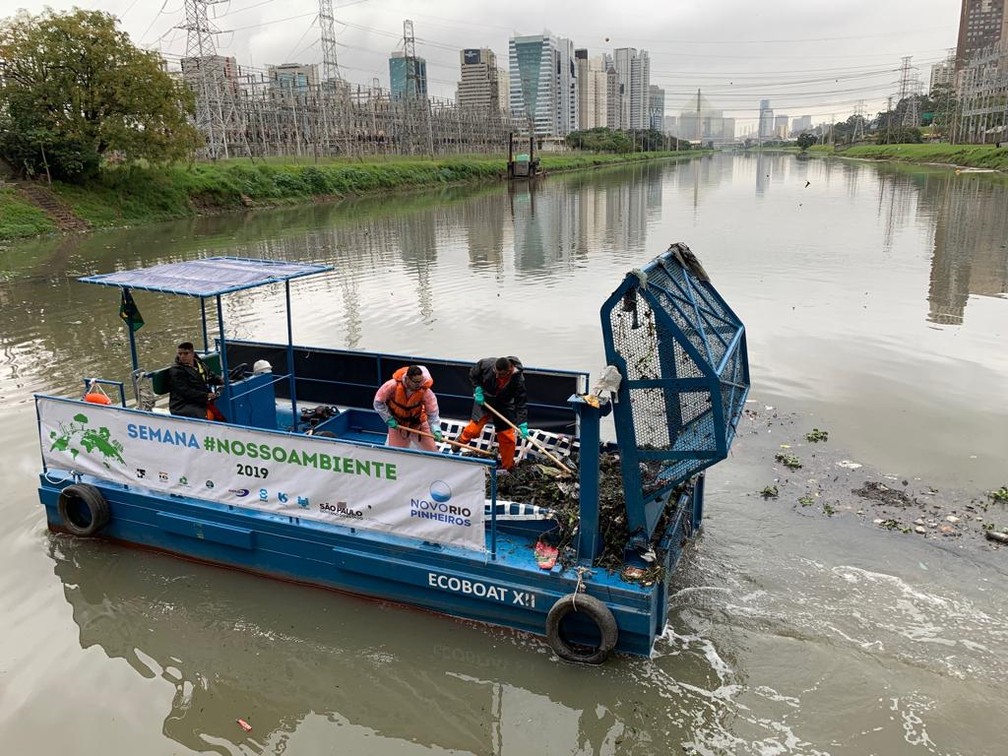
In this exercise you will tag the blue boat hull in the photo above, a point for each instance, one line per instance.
(508, 590)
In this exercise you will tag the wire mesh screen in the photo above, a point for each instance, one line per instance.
(681, 352)
(696, 312)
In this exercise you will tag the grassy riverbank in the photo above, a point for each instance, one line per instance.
(19, 218)
(135, 195)
(962, 155)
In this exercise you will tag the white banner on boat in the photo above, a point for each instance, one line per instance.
(370, 488)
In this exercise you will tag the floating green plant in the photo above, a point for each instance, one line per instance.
(815, 435)
(1000, 496)
(789, 461)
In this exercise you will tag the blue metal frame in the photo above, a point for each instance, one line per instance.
(212, 277)
(694, 327)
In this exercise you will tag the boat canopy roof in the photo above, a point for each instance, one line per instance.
(208, 277)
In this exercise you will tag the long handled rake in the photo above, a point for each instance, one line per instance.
(448, 441)
(536, 444)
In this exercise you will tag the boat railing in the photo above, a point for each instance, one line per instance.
(94, 391)
(349, 378)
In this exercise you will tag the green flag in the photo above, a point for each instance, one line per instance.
(129, 313)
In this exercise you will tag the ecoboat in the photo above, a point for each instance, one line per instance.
(296, 483)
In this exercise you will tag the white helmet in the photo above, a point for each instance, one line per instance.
(260, 367)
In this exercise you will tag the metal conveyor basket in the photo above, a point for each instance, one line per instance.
(681, 352)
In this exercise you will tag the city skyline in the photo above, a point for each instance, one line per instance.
(819, 61)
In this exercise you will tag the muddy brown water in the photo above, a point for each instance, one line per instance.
(875, 306)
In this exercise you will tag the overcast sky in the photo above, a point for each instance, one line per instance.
(818, 57)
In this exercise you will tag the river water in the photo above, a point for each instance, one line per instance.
(875, 305)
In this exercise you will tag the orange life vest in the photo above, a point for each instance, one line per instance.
(408, 411)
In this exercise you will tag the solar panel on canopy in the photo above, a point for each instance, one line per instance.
(208, 277)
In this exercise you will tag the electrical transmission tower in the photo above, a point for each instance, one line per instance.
(415, 101)
(909, 95)
(204, 71)
(330, 69)
(859, 120)
(409, 53)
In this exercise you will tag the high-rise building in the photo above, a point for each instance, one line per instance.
(593, 100)
(478, 87)
(801, 123)
(699, 122)
(223, 67)
(543, 80)
(567, 84)
(982, 24)
(765, 119)
(656, 107)
(780, 126)
(943, 74)
(294, 77)
(503, 88)
(613, 97)
(633, 74)
(407, 81)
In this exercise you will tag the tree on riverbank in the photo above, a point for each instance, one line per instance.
(599, 140)
(602, 139)
(74, 90)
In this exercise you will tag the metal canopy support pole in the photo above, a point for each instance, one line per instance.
(222, 344)
(206, 337)
(290, 358)
(493, 513)
(589, 540)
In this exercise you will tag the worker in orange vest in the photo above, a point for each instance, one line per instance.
(406, 402)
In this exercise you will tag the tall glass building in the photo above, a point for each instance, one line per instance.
(401, 84)
(544, 85)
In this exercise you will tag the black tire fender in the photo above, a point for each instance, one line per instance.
(83, 510)
(594, 610)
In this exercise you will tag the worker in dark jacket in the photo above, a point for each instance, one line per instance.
(190, 382)
(500, 383)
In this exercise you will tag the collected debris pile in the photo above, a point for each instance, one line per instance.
(545, 486)
(312, 416)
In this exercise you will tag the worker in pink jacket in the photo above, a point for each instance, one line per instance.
(406, 403)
